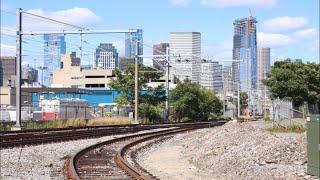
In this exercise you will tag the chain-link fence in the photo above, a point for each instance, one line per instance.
(61, 112)
(282, 111)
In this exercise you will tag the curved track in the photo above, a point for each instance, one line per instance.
(107, 160)
(34, 137)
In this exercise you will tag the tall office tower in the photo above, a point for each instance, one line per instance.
(263, 68)
(106, 56)
(185, 49)
(211, 76)
(130, 45)
(29, 74)
(54, 46)
(160, 49)
(7, 69)
(245, 50)
(227, 79)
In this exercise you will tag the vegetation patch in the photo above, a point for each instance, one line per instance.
(293, 128)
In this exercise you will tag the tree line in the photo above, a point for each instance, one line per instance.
(188, 101)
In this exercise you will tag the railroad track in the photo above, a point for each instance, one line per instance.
(107, 160)
(35, 137)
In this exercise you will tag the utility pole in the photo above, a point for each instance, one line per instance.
(239, 90)
(167, 85)
(136, 87)
(18, 70)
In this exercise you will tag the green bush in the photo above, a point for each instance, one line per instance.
(267, 118)
(149, 113)
(215, 117)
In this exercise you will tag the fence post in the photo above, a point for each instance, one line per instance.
(85, 113)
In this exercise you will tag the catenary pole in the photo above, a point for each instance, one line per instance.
(167, 85)
(18, 68)
(136, 85)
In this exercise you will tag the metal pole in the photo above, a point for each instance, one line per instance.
(239, 90)
(81, 46)
(136, 85)
(18, 68)
(167, 85)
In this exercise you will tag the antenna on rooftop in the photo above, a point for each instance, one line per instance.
(250, 13)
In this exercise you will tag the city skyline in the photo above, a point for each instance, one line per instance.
(288, 32)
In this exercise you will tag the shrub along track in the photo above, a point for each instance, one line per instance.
(107, 160)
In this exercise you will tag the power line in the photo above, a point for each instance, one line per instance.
(57, 21)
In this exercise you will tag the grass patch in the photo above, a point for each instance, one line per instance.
(267, 119)
(109, 121)
(70, 123)
(294, 128)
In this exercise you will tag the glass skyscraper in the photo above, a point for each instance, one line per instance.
(245, 50)
(130, 44)
(54, 46)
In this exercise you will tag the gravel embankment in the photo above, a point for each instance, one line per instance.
(42, 161)
(232, 151)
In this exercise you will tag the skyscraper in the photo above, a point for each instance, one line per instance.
(211, 76)
(106, 56)
(263, 67)
(7, 69)
(30, 74)
(185, 49)
(227, 79)
(130, 45)
(54, 46)
(245, 50)
(159, 49)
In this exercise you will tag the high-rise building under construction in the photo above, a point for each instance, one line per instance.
(245, 50)
(54, 46)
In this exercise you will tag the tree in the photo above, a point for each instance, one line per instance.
(192, 102)
(149, 99)
(295, 81)
(124, 82)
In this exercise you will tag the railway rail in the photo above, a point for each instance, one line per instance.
(34, 137)
(107, 160)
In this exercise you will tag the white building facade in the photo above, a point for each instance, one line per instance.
(106, 56)
(185, 51)
(211, 76)
(263, 66)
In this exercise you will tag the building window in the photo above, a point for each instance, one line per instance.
(95, 76)
(95, 85)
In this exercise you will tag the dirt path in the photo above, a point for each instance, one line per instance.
(167, 162)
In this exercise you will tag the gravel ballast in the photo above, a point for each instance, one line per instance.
(43, 161)
(232, 151)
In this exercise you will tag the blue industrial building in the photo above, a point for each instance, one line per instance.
(93, 96)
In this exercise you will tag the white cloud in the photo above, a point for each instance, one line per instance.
(8, 30)
(285, 23)
(307, 33)
(221, 51)
(179, 2)
(7, 50)
(273, 40)
(237, 3)
(76, 16)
